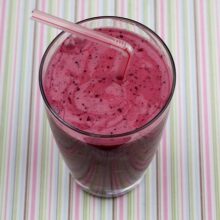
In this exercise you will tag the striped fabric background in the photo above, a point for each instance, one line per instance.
(183, 181)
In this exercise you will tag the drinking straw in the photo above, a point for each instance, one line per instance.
(73, 28)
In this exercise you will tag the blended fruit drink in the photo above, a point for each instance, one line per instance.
(109, 146)
(83, 85)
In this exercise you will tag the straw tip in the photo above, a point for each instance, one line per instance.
(32, 14)
(36, 11)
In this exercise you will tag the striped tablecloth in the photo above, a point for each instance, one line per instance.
(183, 181)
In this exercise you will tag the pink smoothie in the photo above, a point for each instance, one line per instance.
(84, 84)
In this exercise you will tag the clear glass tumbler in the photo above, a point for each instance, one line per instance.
(108, 165)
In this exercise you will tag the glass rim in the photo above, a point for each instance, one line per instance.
(96, 135)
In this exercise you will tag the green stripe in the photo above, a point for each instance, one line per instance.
(105, 8)
(51, 32)
(85, 206)
(89, 10)
(131, 202)
(129, 207)
(173, 121)
(145, 12)
(148, 194)
(212, 58)
(130, 9)
(103, 208)
(67, 10)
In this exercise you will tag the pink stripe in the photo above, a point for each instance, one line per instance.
(77, 201)
(36, 134)
(164, 173)
(2, 26)
(121, 210)
(94, 209)
(204, 89)
(36, 145)
(178, 27)
(162, 18)
(122, 8)
(96, 11)
(10, 128)
(82, 14)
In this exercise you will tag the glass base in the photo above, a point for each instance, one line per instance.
(109, 193)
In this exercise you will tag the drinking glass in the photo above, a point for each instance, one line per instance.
(108, 165)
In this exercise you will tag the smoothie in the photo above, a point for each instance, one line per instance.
(84, 85)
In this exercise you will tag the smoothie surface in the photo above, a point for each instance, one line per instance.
(83, 83)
